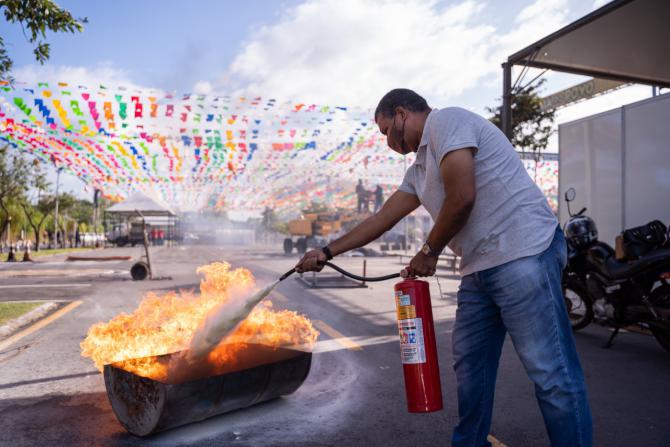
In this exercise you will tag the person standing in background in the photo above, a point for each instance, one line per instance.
(379, 198)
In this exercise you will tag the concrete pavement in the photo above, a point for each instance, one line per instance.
(354, 394)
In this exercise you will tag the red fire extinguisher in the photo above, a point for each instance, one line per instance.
(417, 346)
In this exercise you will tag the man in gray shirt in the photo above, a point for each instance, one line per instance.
(489, 212)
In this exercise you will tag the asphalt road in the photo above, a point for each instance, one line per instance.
(354, 395)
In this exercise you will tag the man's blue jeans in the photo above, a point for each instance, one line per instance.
(524, 298)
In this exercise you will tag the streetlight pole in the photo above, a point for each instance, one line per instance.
(96, 211)
(56, 210)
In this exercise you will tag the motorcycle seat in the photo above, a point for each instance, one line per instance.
(600, 252)
(621, 269)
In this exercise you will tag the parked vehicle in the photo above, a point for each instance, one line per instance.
(126, 233)
(310, 231)
(317, 225)
(92, 239)
(630, 290)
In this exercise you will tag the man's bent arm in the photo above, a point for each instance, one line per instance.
(395, 208)
(458, 175)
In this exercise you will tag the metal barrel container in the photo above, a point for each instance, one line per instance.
(259, 373)
(139, 271)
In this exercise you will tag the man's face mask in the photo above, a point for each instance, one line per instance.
(399, 135)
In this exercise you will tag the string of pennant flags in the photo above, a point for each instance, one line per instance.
(196, 151)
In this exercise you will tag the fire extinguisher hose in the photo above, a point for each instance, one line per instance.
(349, 274)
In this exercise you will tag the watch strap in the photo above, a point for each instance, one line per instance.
(326, 251)
(431, 252)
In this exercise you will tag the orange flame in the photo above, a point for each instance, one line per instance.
(165, 324)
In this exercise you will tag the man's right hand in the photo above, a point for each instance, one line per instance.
(312, 261)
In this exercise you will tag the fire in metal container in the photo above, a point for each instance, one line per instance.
(259, 373)
(150, 368)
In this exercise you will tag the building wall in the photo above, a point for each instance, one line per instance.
(619, 164)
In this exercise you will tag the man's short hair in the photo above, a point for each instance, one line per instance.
(400, 97)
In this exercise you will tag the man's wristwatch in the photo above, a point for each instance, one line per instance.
(326, 251)
(426, 250)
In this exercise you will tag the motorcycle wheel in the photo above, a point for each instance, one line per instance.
(578, 305)
(660, 298)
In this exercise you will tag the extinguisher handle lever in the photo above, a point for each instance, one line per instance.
(404, 273)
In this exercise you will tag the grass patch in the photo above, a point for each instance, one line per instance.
(9, 311)
(56, 251)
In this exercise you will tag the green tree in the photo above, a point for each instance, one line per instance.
(103, 204)
(36, 17)
(73, 213)
(531, 125)
(37, 209)
(14, 174)
(82, 211)
(12, 209)
(66, 203)
(37, 215)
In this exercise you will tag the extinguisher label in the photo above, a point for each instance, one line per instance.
(412, 346)
(402, 299)
(406, 312)
(404, 306)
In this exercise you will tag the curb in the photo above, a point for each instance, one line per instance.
(99, 258)
(24, 320)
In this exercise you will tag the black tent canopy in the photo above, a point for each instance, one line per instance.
(625, 40)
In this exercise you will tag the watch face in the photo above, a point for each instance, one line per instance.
(425, 249)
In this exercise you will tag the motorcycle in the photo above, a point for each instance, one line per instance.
(615, 293)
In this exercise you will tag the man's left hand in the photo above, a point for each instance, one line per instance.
(422, 265)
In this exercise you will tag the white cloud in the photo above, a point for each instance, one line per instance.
(105, 74)
(538, 10)
(203, 88)
(534, 22)
(598, 3)
(353, 51)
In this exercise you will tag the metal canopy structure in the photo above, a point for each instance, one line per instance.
(140, 202)
(139, 206)
(625, 40)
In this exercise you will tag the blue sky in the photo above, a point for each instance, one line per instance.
(151, 39)
(173, 45)
(154, 40)
(348, 52)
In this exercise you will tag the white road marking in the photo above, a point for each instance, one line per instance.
(333, 333)
(339, 343)
(37, 286)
